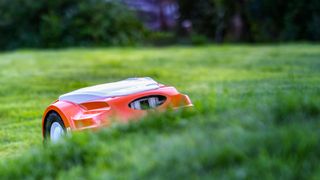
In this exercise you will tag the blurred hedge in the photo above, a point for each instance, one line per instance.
(254, 20)
(33, 23)
(60, 23)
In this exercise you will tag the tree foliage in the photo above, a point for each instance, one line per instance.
(32, 23)
(254, 20)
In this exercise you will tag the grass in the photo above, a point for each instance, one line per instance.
(256, 115)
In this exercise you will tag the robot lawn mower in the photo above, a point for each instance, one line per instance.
(98, 106)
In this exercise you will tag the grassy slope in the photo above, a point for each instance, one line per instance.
(257, 113)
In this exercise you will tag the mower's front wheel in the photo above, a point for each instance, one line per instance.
(54, 127)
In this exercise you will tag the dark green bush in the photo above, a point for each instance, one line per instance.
(31, 23)
(198, 39)
(272, 20)
(254, 20)
(161, 38)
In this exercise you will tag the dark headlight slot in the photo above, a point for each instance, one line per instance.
(148, 102)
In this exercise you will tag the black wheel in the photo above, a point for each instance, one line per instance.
(54, 127)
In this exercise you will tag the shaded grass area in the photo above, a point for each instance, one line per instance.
(256, 114)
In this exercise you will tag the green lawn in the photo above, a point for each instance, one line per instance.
(257, 113)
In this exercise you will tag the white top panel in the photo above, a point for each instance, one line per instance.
(120, 88)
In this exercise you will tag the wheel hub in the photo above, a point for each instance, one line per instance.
(56, 131)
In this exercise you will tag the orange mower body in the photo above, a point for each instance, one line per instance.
(98, 106)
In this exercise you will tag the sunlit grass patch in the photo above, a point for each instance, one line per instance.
(256, 113)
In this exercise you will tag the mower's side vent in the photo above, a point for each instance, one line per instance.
(148, 102)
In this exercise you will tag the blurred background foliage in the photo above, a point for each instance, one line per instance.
(60, 23)
(254, 20)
